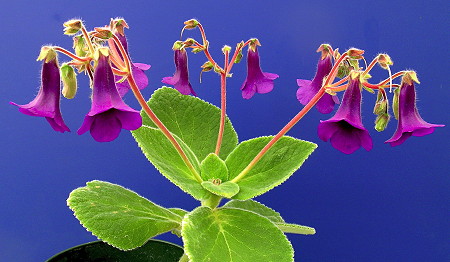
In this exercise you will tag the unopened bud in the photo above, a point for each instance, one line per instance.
(69, 79)
(189, 42)
(384, 60)
(381, 122)
(226, 49)
(79, 46)
(355, 53)
(103, 33)
(47, 53)
(191, 24)
(72, 26)
(207, 66)
(395, 102)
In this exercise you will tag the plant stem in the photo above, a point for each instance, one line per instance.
(137, 93)
(223, 103)
(212, 202)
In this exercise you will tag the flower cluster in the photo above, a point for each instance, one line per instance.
(103, 55)
(345, 129)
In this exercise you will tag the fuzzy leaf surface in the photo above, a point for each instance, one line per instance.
(226, 189)
(162, 154)
(256, 207)
(212, 167)
(275, 167)
(231, 234)
(119, 216)
(193, 120)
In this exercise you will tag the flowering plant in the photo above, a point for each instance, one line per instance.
(194, 145)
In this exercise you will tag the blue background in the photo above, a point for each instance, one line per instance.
(389, 204)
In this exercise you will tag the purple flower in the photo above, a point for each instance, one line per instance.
(46, 103)
(108, 114)
(307, 88)
(409, 121)
(257, 81)
(137, 70)
(345, 129)
(180, 80)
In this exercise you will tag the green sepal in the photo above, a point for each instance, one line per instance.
(119, 216)
(226, 189)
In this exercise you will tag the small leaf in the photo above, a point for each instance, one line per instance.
(161, 153)
(226, 189)
(212, 167)
(296, 229)
(256, 207)
(275, 167)
(193, 120)
(231, 234)
(118, 216)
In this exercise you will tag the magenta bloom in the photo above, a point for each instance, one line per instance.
(46, 103)
(257, 81)
(307, 88)
(409, 121)
(180, 80)
(108, 114)
(137, 70)
(345, 129)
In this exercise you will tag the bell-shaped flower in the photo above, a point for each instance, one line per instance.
(137, 70)
(46, 103)
(345, 129)
(409, 121)
(308, 88)
(108, 114)
(257, 81)
(180, 80)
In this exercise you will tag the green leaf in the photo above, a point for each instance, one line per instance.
(226, 189)
(277, 165)
(296, 229)
(256, 207)
(231, 234)
(193, 120)
(118, 216)
(212, 167)
(158, 150)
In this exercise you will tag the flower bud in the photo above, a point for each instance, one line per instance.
(355, 53)
(207, 66)
(384, 60)
(189, 42)
(72, 26)
(79, 46)
(47, 53)
(226, 49)
(103, 33)
(191, 24)
(69, 79)
(381, 122)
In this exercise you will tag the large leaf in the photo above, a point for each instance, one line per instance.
(193, 120)
(163, 155)
(277, 165)
(118, 216)
(272, 215)
(231, 234)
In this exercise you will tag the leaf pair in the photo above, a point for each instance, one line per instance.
(195, 123)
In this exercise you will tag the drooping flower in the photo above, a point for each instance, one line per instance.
(308, 88)
(345, 129)
(47, 102)
(180, 80)
(409, 121)
(137, 70)
(108, 114)
(257, 81)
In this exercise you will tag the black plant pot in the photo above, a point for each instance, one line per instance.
(152, 251)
